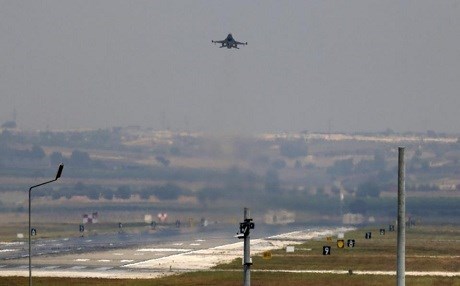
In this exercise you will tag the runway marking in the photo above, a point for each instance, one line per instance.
(81, 259)
(51, 267)
(23, 267)
(103, 268)
(78, 267)
(11, 243)
(126, 260)
(178, 244)
(1, 266)
(119, 254)
(195, 244)
(164, 250)
(8, 250)
(200, 240)
(103, 260)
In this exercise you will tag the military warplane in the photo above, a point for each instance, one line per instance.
(229, 42)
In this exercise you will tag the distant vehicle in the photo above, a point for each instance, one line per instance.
(229, 42)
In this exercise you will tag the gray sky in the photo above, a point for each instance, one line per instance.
(351, 65)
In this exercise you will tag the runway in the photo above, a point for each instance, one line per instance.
(146, 255)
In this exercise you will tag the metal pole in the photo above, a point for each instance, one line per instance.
(58, 175)
(30, 230)
(401, 255)
(247, 255)
(30, 255)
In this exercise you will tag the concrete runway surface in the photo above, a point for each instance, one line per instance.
(146, 255)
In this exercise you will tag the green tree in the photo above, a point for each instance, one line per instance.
(123, 192)
(80, 158)
(107, 194)
(56, 158)
(144, 195)
(56, 195)
(168, 192)
(297, 164)
(358, 206)
(93, 194)
(293, 149)
(79, 186)
(368, 189)
(379, 160)
(342, 167)
(279, 164)
(272, 181)
(37, 152)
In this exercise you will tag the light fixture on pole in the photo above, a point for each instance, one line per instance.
(58, 175)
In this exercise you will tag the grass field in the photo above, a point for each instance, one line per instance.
(428, 248)
(235, 278)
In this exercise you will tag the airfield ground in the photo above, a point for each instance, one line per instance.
(432, 258)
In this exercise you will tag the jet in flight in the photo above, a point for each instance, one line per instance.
(229, 42)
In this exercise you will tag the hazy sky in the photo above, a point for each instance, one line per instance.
(309, 65)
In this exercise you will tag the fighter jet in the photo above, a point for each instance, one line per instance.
(229, 42)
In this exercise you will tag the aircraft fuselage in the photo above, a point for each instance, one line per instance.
(229, 42)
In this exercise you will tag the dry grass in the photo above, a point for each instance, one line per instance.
(235, 278)
(428, 249)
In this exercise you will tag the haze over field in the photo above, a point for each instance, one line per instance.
(309, 65)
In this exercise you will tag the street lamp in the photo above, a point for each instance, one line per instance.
(58, 175)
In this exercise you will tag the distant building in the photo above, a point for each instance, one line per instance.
(350, 218)
(279, 217)
(92, 218)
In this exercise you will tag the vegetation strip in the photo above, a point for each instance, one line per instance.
(358, 272)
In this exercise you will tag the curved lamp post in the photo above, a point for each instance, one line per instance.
(58, 175)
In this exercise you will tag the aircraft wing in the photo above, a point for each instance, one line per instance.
(240, 43)
(218, 42)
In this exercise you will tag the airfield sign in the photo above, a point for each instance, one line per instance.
(351, 243)
(326, 250)
(340, 243)
(162, 216)
(267, 254)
